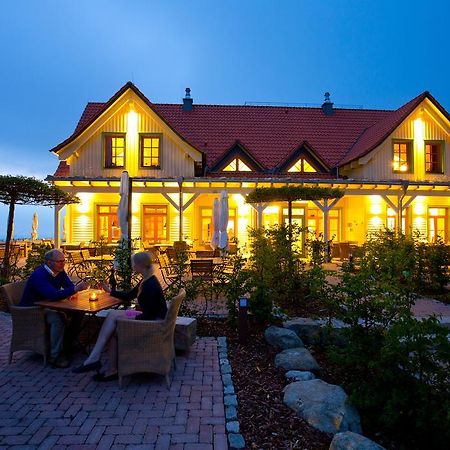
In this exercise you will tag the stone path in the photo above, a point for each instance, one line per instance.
(42, 408)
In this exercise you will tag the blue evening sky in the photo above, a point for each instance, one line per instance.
(55, 55)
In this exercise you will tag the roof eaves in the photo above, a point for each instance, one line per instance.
(414, 103)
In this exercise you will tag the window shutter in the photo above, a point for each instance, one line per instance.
(108, 151)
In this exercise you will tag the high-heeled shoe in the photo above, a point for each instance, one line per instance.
(97, 365)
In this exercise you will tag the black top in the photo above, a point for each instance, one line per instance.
(150, 298)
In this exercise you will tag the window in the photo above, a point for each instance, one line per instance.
(206, 224)
(302, 165)
(437, 224)
(402, 157)
(237, 165)
(433, 157)
(114, 145)
(315, 223)
(150, 146)
(392, 220)
(154, 224)
(107, 223)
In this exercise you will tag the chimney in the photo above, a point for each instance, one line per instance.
(327, 105)
(187, 100)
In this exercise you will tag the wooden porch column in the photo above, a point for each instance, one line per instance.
(57, 225)
(260, 207)
(180, 210)
(325, 207)
(399, 207)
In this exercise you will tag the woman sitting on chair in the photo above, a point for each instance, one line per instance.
(152, 306)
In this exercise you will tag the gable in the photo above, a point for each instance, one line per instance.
(239, 159)
(96, 115)
(304, 160)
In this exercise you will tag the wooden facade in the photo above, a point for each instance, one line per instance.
(174, 201)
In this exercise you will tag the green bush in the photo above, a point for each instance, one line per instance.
(275, 269)
(397, 367)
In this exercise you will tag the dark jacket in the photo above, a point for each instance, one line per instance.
(43, 286)
(151, 299)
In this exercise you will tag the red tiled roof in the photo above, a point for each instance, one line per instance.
(377, 133)
(92, 110)
(270, 133)
(63, 170)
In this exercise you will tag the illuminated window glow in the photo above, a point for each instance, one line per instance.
(437, 224)
(237, 165)
(150, 151)
(302, 165)
(402, 158)
(433, 157)
(114, 145)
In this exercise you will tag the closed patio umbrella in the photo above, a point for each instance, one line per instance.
(34, 227)
(122, 211)
(223, 220)
(216, 216)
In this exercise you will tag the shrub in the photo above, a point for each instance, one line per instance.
(275, 269)
(397, 366)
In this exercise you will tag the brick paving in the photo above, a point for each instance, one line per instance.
(43, 408)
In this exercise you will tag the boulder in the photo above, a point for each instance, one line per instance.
(353, 441)
(324, 406)
(282, 337)
(298, 375)
(307, 329)
(296, 359)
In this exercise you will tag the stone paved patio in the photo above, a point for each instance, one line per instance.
(42, 408)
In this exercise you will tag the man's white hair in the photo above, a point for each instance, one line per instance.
(51, 253)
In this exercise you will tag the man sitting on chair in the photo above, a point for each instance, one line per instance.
(51, 282)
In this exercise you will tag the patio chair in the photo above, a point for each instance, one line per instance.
(78, 266)
(28, 323)
(202, 271)
(148, 345)
(344, 250)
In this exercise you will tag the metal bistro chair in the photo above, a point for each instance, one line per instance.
(168, 272)
(202, 271)
(28, 323)
(78, 265)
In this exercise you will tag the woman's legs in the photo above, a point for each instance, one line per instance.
(107, 330)
(111, 367)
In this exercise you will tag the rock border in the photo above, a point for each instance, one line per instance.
(235, 438)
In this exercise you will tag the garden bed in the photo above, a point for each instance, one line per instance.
(266, 422)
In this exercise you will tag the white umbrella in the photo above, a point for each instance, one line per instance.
(34, 227)
(64, 229)
(223, 220)
(215, 235)
(122, 212)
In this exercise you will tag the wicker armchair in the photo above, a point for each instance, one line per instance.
(28, 323)
(148, 346)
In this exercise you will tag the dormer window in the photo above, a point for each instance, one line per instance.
(302, 165)
(237, 165)
(402, 161)
(114, 150)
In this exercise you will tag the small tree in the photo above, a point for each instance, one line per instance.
(20, 190)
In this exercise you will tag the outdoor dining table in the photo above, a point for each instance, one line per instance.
(81, 302)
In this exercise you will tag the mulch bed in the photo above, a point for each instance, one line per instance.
(266, 422)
